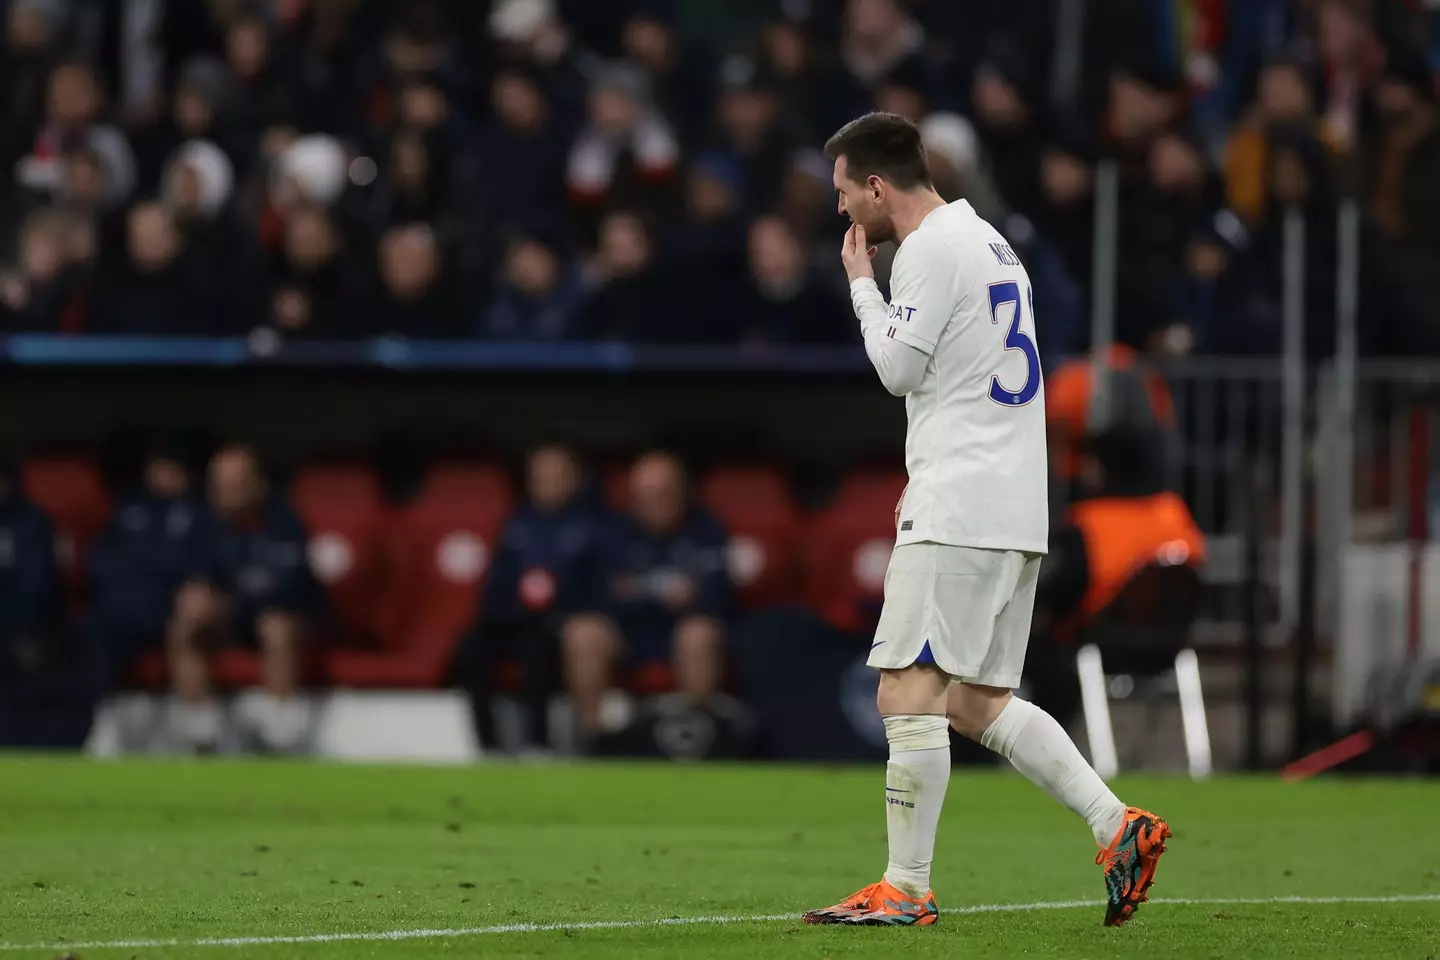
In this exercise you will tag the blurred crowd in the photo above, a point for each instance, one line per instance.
(571, 593)
(647, 170)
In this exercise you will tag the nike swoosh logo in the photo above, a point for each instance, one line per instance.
(893, 790)
(874, 645)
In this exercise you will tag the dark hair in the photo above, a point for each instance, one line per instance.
(883, 145)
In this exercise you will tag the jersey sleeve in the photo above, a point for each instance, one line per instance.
(922, 293)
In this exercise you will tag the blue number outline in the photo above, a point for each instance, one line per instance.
(1001, 293)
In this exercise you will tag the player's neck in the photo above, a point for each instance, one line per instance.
(912, 209)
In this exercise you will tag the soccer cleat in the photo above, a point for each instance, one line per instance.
(1129, 863)
(878, 905)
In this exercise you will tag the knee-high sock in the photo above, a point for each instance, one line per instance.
(1038, 747)
(915, 782)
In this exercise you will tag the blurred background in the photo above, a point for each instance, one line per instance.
(449, 378)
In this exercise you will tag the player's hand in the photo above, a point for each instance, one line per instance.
(898, 504)
(856, 255)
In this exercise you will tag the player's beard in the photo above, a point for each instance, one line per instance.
(880, 231)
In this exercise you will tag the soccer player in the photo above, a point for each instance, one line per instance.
(957, 340)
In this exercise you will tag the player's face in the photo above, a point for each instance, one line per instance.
(863, 203)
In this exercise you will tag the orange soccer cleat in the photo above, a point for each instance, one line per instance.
(1129, 863)
(879, 905)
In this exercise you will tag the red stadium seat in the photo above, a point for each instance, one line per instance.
(440, 547)
(73, 494)
(230, 668)
(346, 519)
(763, 524)
(847, 549)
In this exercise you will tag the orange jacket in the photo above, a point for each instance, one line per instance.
(1124, 534)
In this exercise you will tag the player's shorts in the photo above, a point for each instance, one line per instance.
(964, 609)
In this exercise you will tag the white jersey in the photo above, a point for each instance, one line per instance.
(975, 447)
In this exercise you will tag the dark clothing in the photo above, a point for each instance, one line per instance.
(58, 305)
(262, 566)
(545, 564)
(135, 567)
(142, 558)
(434, 313)
(330, 294)
(29, 579)
(637, 568)
(1065, 574)
(544, 570)
(531, 167)
(172, 301)
(629, 308)
(512, 315)
(811, 315)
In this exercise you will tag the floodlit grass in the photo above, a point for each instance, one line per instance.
(151, 859)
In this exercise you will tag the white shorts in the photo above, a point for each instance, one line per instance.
(964, 609)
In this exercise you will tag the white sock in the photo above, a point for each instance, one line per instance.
(915, 782)
(196, 722)
(1038, 747)
(281, 723)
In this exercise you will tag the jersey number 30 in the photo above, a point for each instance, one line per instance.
(1015, 339)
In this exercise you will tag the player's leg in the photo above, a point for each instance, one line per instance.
(590, 645)
(699, 658)
(911, 698)
(281, 717)
(984, 709)
(912, 701)
(195, 716)
(1039, 748)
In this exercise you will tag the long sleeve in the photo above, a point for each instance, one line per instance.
(901, 366)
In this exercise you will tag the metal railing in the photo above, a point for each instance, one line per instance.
(1338, 456)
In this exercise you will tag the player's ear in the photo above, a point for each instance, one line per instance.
(876, 185)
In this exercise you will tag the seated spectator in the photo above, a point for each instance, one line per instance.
(1402, 188)
(30, 598)
(417, 294)
(632, 295)
(139, 562)
(784, 305)
(1004, 96)
(538, 295)
(261, 82)
(1283, 98)
(199, 110)
(1123, 521)
(1179, 196)
(1064, 205)
(624, 151)
(312, 292)
(662, 591)
(85, 181)
(542, 574)
(524, 146)
(152, 289)
(34, 31)
(47, 291)
(249, 583)
(221, 253)
(706, 249)
(74, 119)
(752, 133)
(680, 74)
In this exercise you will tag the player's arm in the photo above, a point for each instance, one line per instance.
(899, 336)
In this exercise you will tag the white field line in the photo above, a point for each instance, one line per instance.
(424, 934)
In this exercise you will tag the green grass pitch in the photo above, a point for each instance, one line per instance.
(154, 859)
